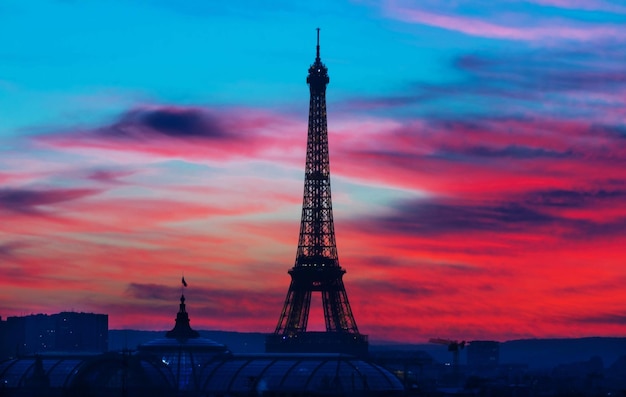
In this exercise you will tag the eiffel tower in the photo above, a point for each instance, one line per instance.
(317, 267)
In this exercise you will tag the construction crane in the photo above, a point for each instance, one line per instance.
(453, 346)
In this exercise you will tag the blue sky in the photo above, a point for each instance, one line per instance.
(66, 58)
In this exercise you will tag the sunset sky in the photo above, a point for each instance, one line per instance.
(477, 148)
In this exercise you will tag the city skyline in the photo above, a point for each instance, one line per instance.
(477, 157)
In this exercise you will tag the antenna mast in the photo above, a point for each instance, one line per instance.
(318, 45)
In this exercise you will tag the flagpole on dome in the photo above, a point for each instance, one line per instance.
(182, 330)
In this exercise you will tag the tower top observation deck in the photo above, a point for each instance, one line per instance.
(318, 72)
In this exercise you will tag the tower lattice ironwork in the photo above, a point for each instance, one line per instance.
(316, 267)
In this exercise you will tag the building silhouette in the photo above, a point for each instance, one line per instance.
(316, 267)
(61, 332)
(185, 364)
(184, 352)
(483, 354)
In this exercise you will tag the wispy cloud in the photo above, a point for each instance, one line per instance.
(589, 5)
(579, 82)
(506, 22)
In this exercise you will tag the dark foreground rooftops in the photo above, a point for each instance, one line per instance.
(145, 374)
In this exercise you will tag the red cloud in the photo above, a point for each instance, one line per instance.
(497, 223)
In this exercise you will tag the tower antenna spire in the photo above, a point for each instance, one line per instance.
(318, 45)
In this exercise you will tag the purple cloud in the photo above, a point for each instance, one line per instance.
(577, 81)
(184, 132)
(30, 201)
(239, 303)
(599, 318)
(7, 250)
(427, 218)
(108, 176)
(172, 122)
(532, 212)
(511, 152)
(574, 198)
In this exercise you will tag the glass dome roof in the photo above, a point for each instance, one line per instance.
(327, 374)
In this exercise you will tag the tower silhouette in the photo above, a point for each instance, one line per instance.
(316, 268)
